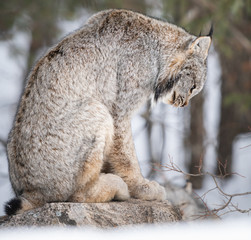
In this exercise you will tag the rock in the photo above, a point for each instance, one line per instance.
(190, 205)
(103, 215)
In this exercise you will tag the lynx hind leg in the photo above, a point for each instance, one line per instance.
(96, 187)
(92, 186)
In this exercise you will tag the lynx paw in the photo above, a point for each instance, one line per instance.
(148, 190)
(119, 186)
(122, 193)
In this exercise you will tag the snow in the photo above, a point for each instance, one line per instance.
(207, 230)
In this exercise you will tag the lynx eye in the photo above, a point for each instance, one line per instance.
(192, 88)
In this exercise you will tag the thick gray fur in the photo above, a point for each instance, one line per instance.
(71, 139)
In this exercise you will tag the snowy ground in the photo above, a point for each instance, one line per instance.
(230, 230)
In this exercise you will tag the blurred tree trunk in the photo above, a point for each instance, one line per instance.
(236, 89)
(194, 141)
(236, 105)
(149, 130)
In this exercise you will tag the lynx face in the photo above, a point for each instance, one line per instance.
(188, 83)
(186, 74)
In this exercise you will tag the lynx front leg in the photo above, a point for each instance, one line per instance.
(124, 163)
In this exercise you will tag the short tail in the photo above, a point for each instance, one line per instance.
(13, 206)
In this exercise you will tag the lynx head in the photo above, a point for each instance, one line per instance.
(186, 73)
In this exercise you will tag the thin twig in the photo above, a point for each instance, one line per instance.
(229, 197)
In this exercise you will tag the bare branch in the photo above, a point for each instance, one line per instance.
(241, 210)
(228, 204)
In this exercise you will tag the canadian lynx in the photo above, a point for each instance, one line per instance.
(71, 139)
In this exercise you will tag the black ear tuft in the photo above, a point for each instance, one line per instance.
(211, 31)
(13, 206)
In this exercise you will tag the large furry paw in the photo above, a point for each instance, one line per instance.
(148, 190)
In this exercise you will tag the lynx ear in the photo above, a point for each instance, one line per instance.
(201, 46)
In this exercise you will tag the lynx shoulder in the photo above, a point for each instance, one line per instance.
(71, 138)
